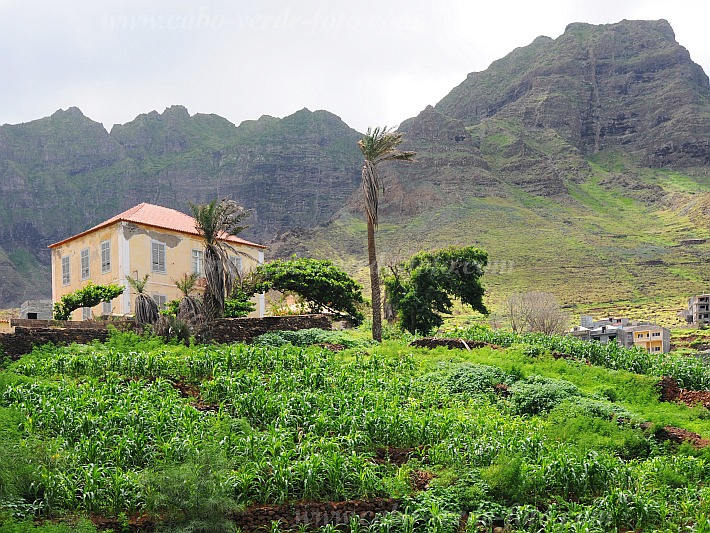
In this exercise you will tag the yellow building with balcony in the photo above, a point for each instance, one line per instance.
(146, 239)
(650, 337)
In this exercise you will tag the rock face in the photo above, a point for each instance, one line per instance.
(627, 86)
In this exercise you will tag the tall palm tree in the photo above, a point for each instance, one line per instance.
(216, 221)
(377, 146)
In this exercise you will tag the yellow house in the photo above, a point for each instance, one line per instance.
(650, 337)
(146, 239)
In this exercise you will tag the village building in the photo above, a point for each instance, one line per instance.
(146, 239)
(650, 337)
(698, 312)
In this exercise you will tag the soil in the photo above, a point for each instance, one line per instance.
(190, 390)
(419, 479)
(311, 514)
(678, 435)
(398, 456)
(671, 392)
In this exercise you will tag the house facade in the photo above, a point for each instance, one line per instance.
(146, 239)
(650, 337)
(698, 312)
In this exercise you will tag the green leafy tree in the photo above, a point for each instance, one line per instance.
(88, 296)
(377, 146)
(216, 221)
(422, 288)
(323, 285)
(146, 310)
(238, 304)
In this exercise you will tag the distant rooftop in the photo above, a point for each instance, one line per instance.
(158, 217)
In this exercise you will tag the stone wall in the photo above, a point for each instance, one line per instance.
(24, 339)
(29, 333)
(65, 324)
(245, 329)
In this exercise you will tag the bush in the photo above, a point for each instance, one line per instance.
(476, 379)
(539, 394)
(307, 337)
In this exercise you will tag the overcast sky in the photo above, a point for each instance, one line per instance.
(370, 62)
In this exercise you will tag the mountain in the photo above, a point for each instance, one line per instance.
(62, 174)
(579, 163)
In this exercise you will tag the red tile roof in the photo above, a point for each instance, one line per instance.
(157, 217)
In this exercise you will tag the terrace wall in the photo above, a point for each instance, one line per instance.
(30, 333)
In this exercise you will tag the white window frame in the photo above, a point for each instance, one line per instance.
(156, 250)
(161, 300)
(198, 261)
(66, 270)
(85, 264)
(106, 308)
(105, 257)
(237, 262)
(86, 313)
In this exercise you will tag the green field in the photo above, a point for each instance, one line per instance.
(135, 431)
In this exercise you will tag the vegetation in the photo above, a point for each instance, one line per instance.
(535, 311)
(377, 146)
(216, 221)
(88, 296)
(420, 289)
(190, 308)
(189, 436)
(146, 309)
(238, 305)
(323, 285)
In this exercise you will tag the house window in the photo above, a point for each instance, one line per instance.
(86, 313)
(105, 257)
(656, 334)
(656, 348)
(237, 262)
(85, 263)
(198, 262)
(639, 336)
(157, 257)
(161, 300)
(106, 308)
(66, 270)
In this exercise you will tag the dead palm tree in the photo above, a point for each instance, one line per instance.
(377, 146)
(217, 221)
(146, 310)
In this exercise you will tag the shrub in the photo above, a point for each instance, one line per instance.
(539, 394)
(476, 379)
(307, 337)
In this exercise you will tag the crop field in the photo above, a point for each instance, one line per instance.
(524, 433)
